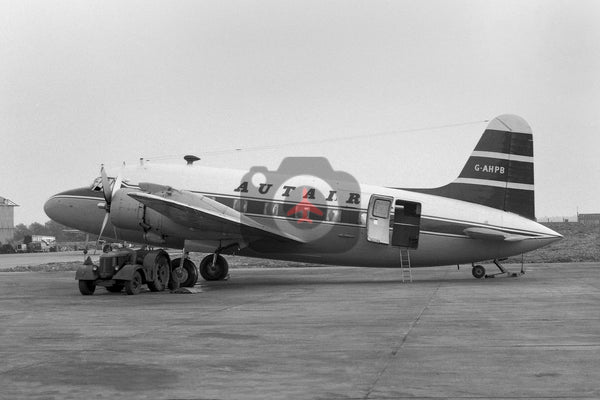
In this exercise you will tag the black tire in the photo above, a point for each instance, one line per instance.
(134, 286)
(189, 272)
(162, 274)
(478, 271)
(214, 272)
(116, 288)
(87, 288)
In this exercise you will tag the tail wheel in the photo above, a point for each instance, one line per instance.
(214, 271)
(134, 286)
(478, 271)
(87, 288)
(161, 279)
(189, 272)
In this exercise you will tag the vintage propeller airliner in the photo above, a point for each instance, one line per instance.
(307, 211)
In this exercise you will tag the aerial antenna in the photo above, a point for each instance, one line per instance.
(316, 141)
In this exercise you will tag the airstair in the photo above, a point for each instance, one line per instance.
(405, 265)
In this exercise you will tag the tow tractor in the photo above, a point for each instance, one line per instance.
(130, 269)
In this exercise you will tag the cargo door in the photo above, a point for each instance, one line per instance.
(378, 219)
(407, 224)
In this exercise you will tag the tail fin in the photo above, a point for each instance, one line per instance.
(499, 173)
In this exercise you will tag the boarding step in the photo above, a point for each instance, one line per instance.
(405, 265)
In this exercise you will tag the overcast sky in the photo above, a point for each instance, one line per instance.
(84, 83)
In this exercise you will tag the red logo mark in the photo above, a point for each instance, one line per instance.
(305, 207)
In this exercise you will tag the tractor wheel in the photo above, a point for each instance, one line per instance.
(162, 274)
(134, 286)
(87, 288)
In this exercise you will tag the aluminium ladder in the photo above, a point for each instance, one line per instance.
(405, 265)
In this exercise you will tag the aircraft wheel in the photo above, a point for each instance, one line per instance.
(478, 271)
(162, 274)
(87, 288)
(116, 288)
(189, 272)
(134, 286)
(214, 272)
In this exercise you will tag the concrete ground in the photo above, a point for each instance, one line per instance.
(29, 259)
(320, 333)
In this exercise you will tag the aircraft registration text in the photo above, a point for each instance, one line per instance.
(494, 169)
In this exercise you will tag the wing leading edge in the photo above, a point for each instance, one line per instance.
(196, 211)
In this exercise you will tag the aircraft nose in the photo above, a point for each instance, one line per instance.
(77, 208)
(52, 209)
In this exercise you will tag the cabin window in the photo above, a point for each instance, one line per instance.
(271, 209)
(381, 208)
(254, 207)
(363, 218)
(333, 215)
(240, 205)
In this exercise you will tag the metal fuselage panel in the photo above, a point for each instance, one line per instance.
(442, 221)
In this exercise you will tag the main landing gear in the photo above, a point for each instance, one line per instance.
(478, 271)
(188, 275)
(214, 267)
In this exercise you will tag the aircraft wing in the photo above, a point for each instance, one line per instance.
(493, 234)
(197, 211)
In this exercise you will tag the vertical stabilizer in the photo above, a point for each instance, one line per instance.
(499, 173)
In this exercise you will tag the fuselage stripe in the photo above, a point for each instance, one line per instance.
(502, 156)
(500, 184)
(430, 225)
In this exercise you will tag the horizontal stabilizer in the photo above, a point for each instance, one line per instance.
(492, 234)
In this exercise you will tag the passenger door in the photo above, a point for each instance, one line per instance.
(378, 219)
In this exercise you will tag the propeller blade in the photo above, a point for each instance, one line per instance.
(104, 222)
(103, 225)
(105, 185)
(117, 184)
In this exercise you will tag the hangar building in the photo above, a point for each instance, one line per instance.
(7, 220)
(588, 219)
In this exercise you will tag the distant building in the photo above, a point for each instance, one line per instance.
(589, 219)
(7, 220)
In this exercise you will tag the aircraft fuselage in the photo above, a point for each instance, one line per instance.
(359, 225)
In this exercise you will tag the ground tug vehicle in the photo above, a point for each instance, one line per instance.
(130, 269)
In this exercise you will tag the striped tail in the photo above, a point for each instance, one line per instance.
(499, 173)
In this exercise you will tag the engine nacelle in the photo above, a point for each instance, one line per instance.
(128, 213)
(125, 212)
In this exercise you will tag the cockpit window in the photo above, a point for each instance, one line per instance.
(97, 184)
